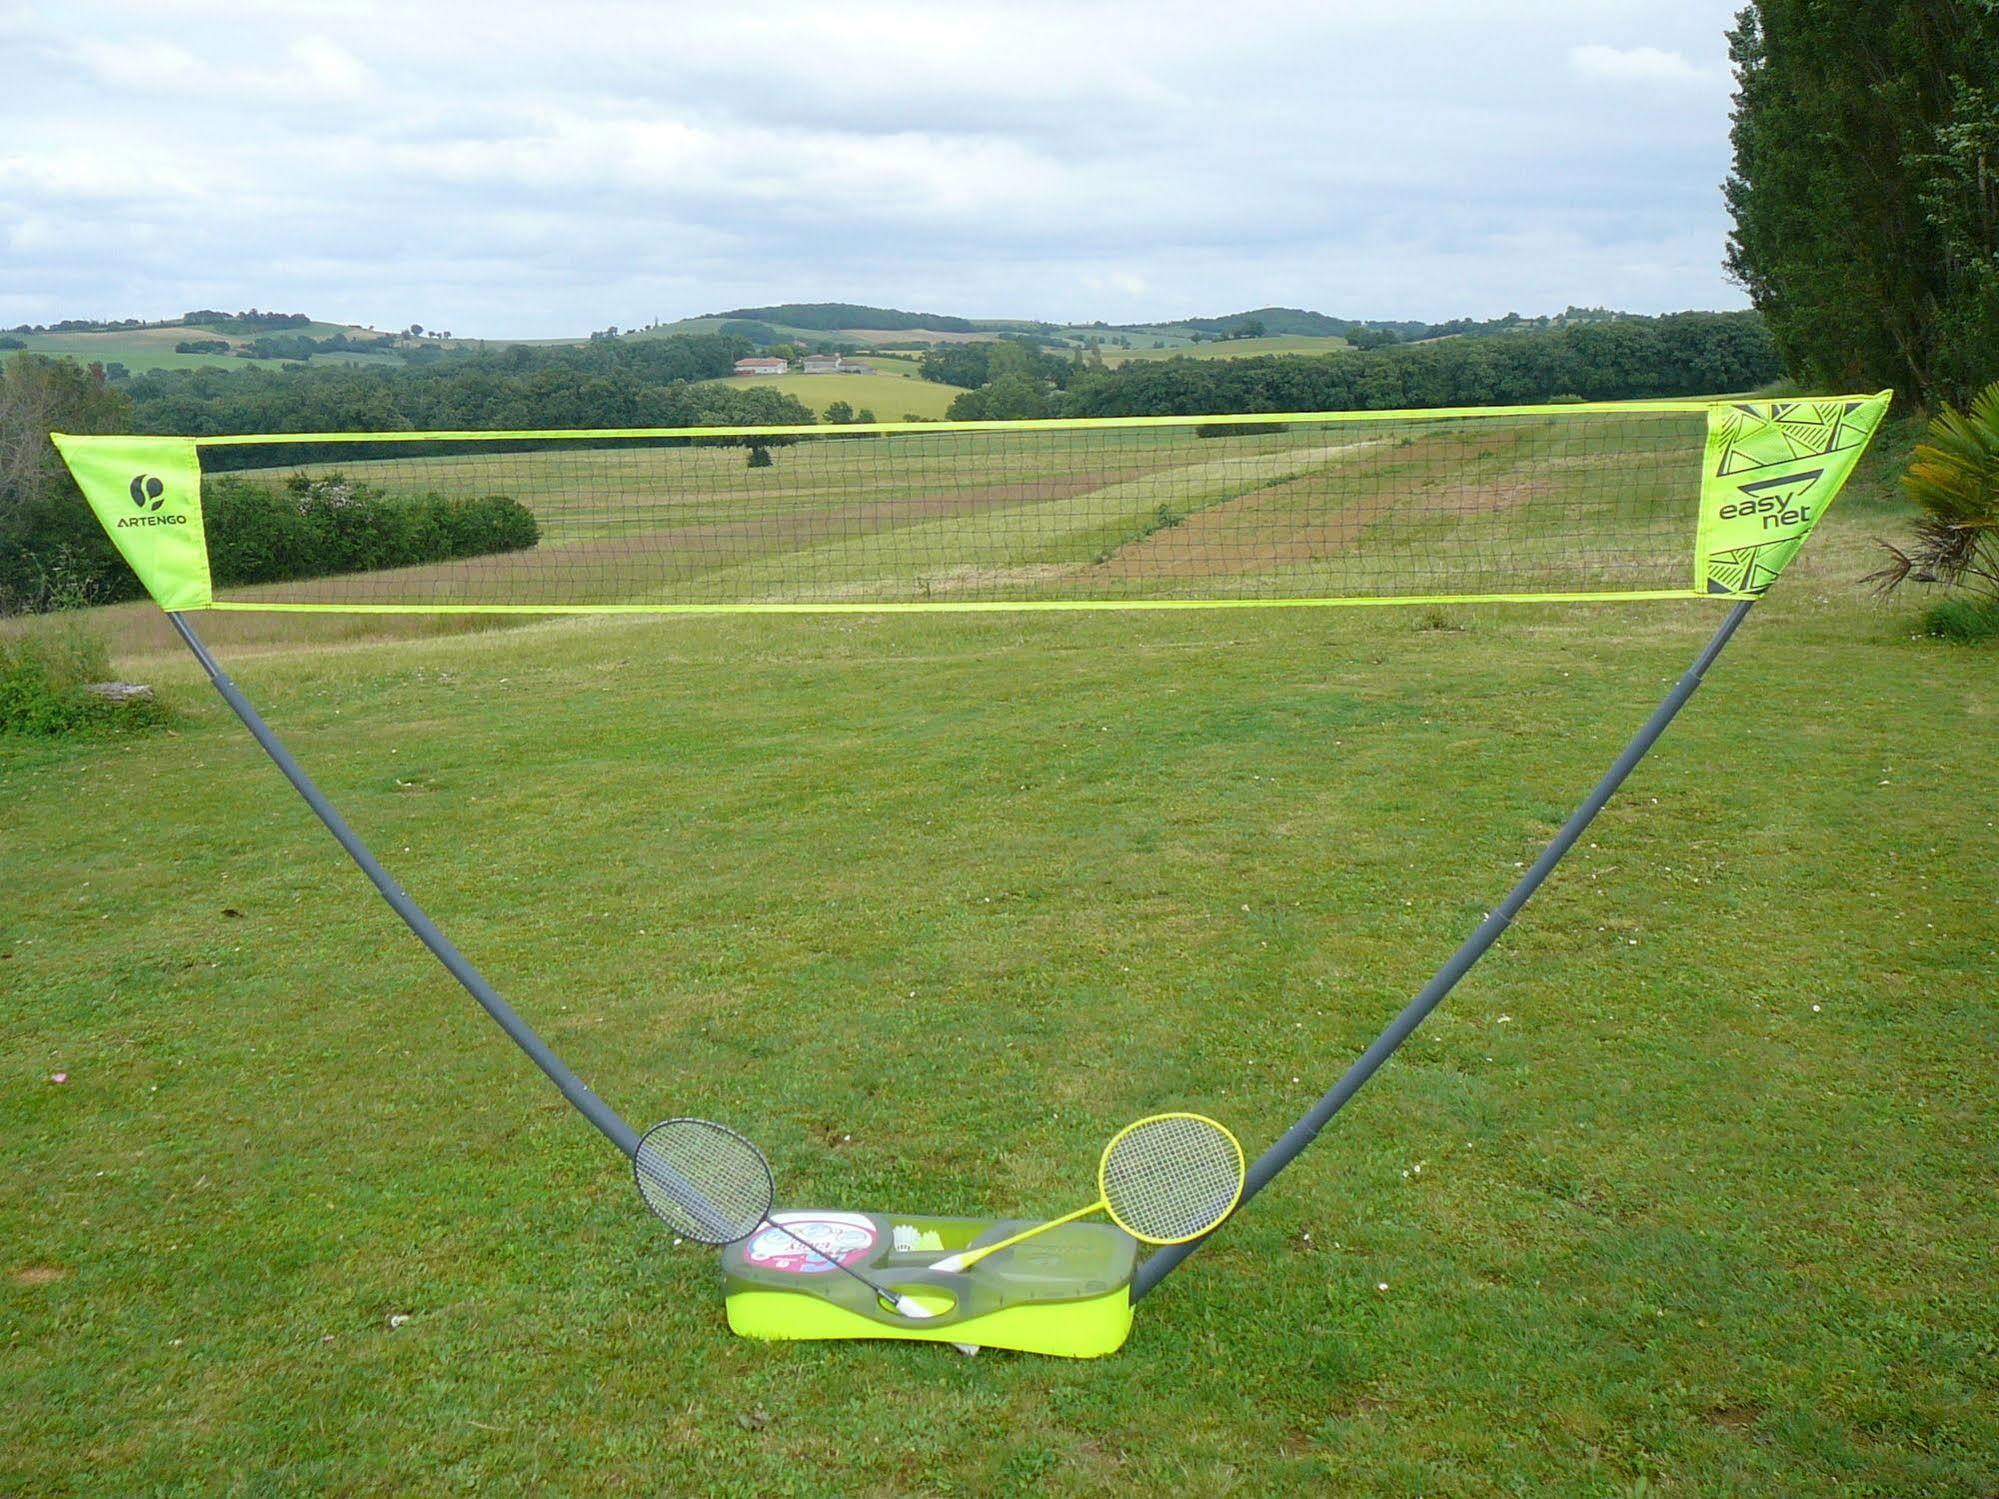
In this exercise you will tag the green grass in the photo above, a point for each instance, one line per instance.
(1963, 619)
(1234, 348)
(138, 349)
(929, 905)
(896, 364)
(890, 397)
(46, 665)
(1170, 337)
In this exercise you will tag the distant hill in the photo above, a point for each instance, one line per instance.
(1278, 322)
(831, 317)
(1289, 324)
(213, 339)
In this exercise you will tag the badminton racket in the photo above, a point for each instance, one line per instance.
(1163, 1180)
(709, 1184)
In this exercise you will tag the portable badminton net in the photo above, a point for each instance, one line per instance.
(1650, 500)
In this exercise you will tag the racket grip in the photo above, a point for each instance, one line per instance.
(966, 1258)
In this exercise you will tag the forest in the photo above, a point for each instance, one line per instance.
(1687, 353)
(650, 382)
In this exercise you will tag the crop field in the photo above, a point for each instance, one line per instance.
(138, 349)
(1686, 1190)
(897, 364)
(890, 396)
(1233, 348)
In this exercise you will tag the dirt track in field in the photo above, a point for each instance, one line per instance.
(1276, 527)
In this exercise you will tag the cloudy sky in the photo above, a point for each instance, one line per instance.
(547, 169)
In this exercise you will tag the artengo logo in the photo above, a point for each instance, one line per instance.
(148, 494)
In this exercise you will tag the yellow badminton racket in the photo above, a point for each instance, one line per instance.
(1163, 1180)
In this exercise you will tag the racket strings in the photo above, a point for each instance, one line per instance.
(1172, 1177)
(713, 1186)
(703, 1180)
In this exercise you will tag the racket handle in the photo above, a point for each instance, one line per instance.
(968, 1258)
(906, 1306)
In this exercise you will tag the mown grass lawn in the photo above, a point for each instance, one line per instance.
(1688, 1189)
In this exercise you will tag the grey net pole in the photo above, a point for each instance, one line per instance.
(1301, 1134)
(522, 1034)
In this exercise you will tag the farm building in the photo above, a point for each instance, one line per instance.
(834, 364)
(762, 366)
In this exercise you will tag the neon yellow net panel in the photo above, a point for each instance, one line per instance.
(1663, 499)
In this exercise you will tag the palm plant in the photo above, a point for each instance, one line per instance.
(1953, 478)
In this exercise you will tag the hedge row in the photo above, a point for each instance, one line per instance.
(313, 528)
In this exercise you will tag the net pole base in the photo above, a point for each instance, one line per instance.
(1062, 1294)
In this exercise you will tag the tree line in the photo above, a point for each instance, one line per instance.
(627, 383)
(1865, 192)
(320, 527)
(971, 365)
(53, 554)
(292, 346)
(1680, 354)
(251, 321)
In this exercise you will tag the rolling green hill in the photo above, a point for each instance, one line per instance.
(834, 316)
(151, 347)
(855, 325)
(1279, 321)
(1234, 348)
(843, 326)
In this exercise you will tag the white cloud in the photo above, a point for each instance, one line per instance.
(137, 64)
(138, 172)
(1652, 65)
(33, 232)
(546, 169)
(330, 69)
(318, 70)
